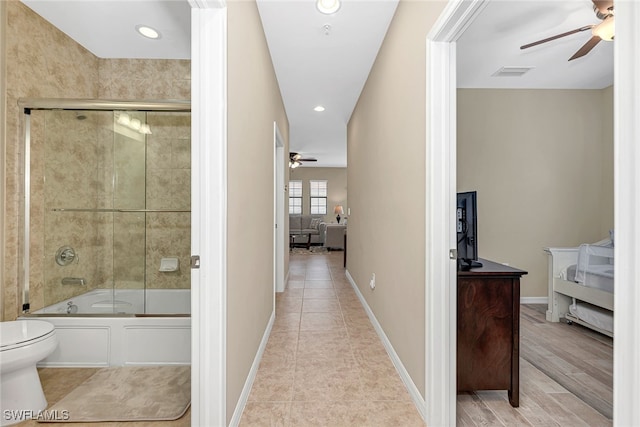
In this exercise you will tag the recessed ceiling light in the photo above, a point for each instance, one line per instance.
(319, 108)
(328, 6)
(148, 32)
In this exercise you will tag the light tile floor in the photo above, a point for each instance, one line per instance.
(324, 364)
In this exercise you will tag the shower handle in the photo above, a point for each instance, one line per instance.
(65, 255)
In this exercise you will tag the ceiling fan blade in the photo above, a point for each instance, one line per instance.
(568, 33)
(586, 48)
(605, 7)
(308, 159)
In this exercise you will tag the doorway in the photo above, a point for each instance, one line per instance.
(440, 301)
(279, 229)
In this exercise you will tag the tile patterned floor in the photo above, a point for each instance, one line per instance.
(324, 364)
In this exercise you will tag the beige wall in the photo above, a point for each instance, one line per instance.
(40, 69)
(607, 200)
(542, 164)
(336, 188)
(386, 183)
(254, 103)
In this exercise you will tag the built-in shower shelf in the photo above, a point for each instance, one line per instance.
(120, 210)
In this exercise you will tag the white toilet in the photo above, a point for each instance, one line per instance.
(23, 343)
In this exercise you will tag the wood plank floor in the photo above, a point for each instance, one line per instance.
(566, 379)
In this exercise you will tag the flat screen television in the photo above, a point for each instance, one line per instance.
(467, 230)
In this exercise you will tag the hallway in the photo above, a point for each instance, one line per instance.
(324, 364)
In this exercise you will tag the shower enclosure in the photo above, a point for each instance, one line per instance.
(106, 207)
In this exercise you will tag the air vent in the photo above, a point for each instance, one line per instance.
(512, 71)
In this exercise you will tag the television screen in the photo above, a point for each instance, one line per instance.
(467, 230)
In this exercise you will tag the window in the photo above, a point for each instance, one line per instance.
(318, 193)
(295, 197)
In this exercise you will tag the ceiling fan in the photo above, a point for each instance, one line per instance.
(296, 159)
(602, 31)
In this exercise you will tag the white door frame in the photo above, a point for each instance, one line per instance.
(440, 304)
(626, 104)
(440, 292)
(209, 211)
(278, 210)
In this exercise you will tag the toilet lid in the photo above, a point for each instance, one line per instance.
(22, 331)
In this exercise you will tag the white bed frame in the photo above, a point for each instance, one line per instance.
(562, 292)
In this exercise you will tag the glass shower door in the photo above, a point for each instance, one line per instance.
(109, 202)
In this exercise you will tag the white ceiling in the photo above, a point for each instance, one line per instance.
(107, 28)
(320, 65)
(313, 67)
(494, 39)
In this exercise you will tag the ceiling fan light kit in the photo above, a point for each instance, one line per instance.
(603, 31)
(296, 160)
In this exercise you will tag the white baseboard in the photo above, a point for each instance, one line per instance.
(244, 396)
(534, 300)
(395, 359)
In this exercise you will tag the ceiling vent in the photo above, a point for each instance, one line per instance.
(512, 71)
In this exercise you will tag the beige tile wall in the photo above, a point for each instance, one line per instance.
(48, 64)
(41, 62)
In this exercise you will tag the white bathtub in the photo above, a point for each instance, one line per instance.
(125, 301)
(96, 337)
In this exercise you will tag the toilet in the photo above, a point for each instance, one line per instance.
(23, 343)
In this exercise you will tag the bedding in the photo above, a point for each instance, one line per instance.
(581, 285)
(600, 278)
(596, 316)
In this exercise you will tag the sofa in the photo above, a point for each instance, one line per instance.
(303, 226)
(334, 236)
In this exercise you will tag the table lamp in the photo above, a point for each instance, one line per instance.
(338, 211)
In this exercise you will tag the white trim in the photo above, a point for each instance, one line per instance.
(395, 359)
(246, 390)
(209, 212)
(626, 99)
(278, 210)
(441, 285)
(534, 300)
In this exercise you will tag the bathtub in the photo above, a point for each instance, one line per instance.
(108, 331)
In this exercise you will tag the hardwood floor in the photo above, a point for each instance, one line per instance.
(577, 358)
(566, 379)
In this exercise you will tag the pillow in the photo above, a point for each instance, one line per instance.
(315, 222)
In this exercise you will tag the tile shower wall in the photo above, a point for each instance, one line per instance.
(75, 151)
(168, 187)
(43, 62)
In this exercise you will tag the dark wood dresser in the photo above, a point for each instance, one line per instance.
(489, 329)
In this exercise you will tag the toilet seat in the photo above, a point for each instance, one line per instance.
(20, 333)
